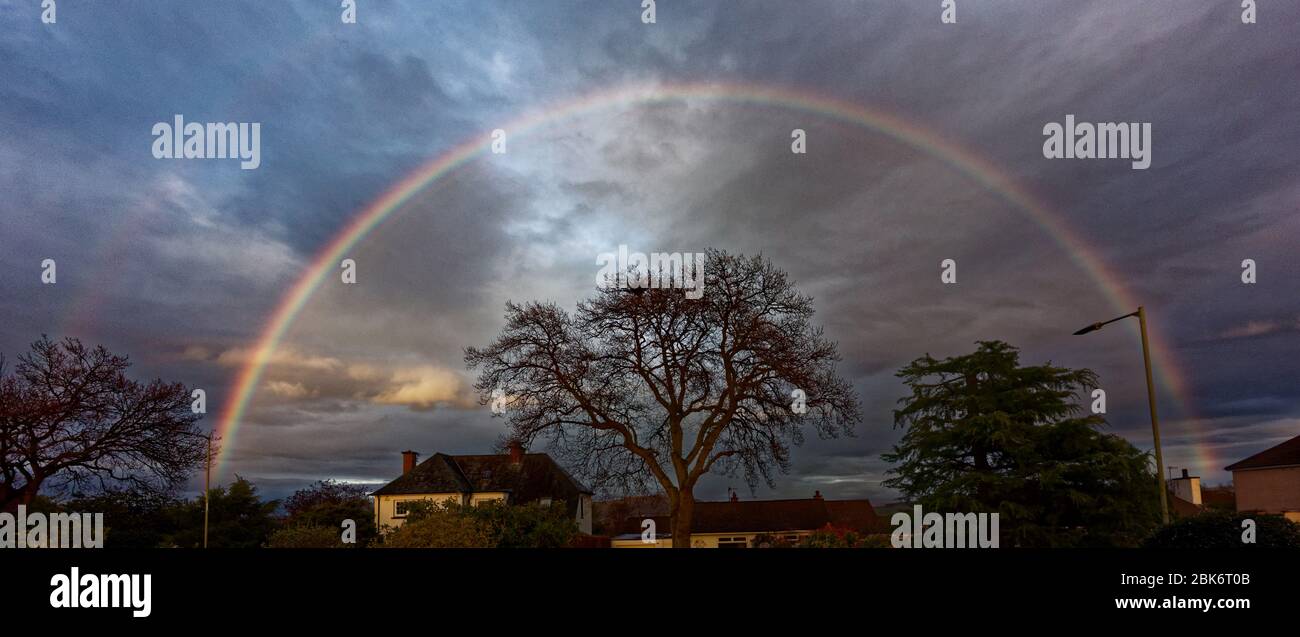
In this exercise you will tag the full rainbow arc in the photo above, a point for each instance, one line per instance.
(965, 162)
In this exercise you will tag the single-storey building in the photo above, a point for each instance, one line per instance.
(739, 523)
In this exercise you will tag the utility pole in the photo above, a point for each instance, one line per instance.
(207, 488)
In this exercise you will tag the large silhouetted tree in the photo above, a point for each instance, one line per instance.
(69, 416)
(644, 387)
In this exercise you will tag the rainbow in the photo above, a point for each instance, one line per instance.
(325, 262)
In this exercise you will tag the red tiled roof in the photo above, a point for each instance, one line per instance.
(1183, 508)
(1283, 455)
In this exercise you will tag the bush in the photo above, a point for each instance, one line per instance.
(328, 503)
(490, 524)
(439, 526)
(769, 541)
(832, 538)
(1223, 530)
(526, 526)
(239, 518)
(306, 537)
(136, 519)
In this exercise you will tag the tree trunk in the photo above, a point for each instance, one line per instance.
(30, 491)
(10, 497)
(979, 449)
(681, 520)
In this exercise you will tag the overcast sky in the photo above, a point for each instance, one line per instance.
(179, 264)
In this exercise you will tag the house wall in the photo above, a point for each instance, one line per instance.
(638, 544)
(479, 498)
(385, 506)
(1268, 490)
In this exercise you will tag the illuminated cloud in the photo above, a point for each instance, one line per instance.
(424, 388)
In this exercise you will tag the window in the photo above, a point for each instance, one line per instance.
(732, 543)
(546, 501)
(399, 508)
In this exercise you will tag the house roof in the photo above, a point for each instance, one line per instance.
(536, 476)
(1183, 508)
(437, 474)
(1219, 497)
(770, 516)
(1283, 455)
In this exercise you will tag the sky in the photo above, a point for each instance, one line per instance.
(180, 263)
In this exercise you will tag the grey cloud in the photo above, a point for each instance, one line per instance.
(861, 222)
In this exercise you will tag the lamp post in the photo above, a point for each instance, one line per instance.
(1151, 399)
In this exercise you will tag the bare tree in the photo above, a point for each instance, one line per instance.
(69, 417)
(645, 386)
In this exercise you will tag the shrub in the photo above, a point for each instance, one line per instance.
(306, 537)
(769, 541)
(1223, 530)
(328, 503)
(439, 526)
(489, 524)
(526, 526)
(833, 538)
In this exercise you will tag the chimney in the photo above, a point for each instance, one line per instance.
(408, 461)
(817, 495)
(516, 452)
(1187, 487)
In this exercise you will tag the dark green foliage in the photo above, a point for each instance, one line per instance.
(770, 541)
(444, 525)
(238, 518)
(492, 524)
(984, 434)
(132, 519)
(1223, 530)
(307, 537)
(831, 538)
(526, 526)
(327, 504)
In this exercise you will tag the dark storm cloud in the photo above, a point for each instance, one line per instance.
(158, 257)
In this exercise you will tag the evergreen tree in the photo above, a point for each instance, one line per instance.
(238, 518)
(984, 434)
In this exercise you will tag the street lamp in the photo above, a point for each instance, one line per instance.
(1151, 398)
